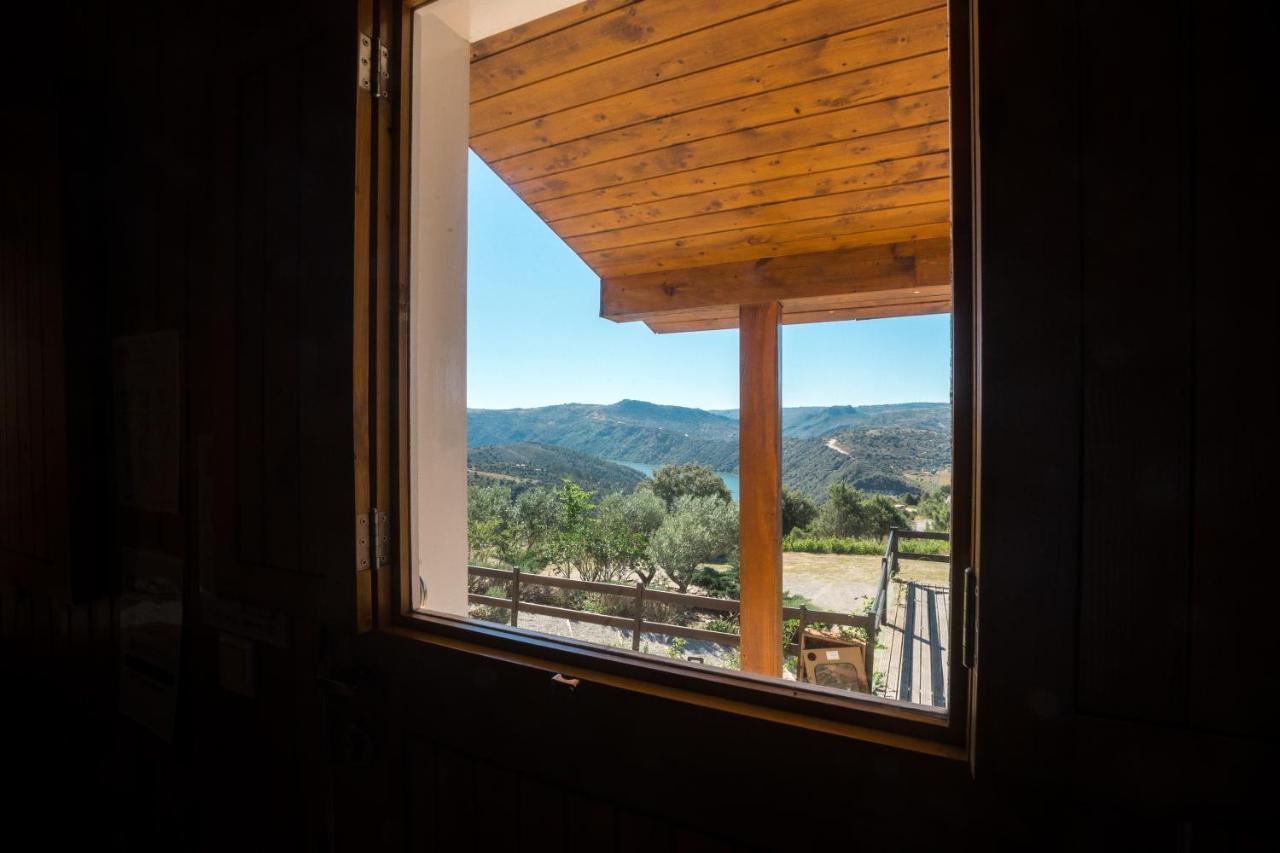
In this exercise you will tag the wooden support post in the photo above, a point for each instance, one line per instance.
(635, 632)
(515, 596)
(760, 475)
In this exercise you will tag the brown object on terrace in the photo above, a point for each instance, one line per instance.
(699, 156)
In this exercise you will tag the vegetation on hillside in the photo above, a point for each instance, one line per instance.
(631, 430)
(528, 464)
(894, 449)
(935, 506)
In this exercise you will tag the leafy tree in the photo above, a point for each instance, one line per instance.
(848, 512)
(841, 514)
(535, 519)
(570, 545)
(698, 529)
(625, 524)
(881, 514)
(488, 522)
(936, 507)
(671, 482)
(798, 510)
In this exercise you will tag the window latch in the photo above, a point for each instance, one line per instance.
(565, 681)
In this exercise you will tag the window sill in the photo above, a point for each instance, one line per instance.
(865, 718)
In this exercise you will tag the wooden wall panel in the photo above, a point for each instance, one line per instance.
(1232, 637)
(1029, 387)
(288, 286)
(23, 509)
(250, 456)
(267, 407)
(605, 769)
(1137, 383)
(325, 373)
(282, 294)
(34, 548)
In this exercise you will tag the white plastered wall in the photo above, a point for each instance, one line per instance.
(443, 32)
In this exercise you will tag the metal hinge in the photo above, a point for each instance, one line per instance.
(373, 68)
(381, 538)
(362, 542)
(969, 640)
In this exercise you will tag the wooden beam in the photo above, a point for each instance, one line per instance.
(852, 306)
(760, 472)
(711, 322)
(862, 277)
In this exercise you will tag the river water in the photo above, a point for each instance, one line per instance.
(730, 480)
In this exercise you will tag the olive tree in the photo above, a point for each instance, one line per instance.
(624, 525)
(698, 529)
(674, 481)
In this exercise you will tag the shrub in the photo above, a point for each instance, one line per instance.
(802, 541)
(724, 624)
(717, 584)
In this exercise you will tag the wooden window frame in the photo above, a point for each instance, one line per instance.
(391, 601)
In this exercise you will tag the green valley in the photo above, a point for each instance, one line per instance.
(890, 449)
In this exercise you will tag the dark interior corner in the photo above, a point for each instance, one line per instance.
(176, 220)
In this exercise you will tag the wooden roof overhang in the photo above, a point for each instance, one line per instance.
(701, 156)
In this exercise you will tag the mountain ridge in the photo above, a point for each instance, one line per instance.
(891, 448)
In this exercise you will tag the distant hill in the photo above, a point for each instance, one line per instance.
(822, 421)
(893, 449)
(889, 459)
(630, 429)
(526, 464)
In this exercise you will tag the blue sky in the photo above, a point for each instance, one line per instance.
(535, 336)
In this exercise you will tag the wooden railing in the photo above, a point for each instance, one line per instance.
(889, 565)
(516, 604)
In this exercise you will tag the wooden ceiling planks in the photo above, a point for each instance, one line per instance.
(896, 42)
(660, 135)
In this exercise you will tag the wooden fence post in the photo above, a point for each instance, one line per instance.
(804, 623)
(893, 552)
(883, 610)
(635, 632)
(515, 596)
(871, 656)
